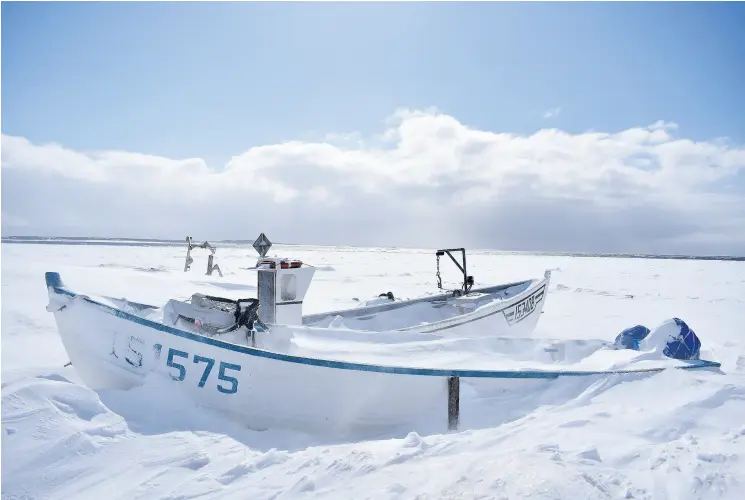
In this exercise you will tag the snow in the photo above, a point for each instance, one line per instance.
(675, 434)
(660, 335)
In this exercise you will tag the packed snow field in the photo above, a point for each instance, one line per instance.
(671, 435)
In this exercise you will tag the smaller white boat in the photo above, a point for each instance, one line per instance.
(509, 310)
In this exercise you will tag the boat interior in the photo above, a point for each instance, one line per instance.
(385, 313)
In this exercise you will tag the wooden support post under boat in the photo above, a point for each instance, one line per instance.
(453, 402)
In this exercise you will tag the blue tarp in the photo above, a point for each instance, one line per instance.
(681, 344)
(685, 345)
(631, 337)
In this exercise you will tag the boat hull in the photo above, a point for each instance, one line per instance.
(111, 349)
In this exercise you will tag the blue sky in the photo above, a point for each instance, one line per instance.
(209, 79)
(212, 80)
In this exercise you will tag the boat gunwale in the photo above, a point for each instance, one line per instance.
(354, 312)
(54, 285)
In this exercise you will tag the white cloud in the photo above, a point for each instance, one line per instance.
(431, 181)
(552, 113)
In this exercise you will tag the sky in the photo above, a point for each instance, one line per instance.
(605, 127)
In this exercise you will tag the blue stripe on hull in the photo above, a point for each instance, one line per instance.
(55, 283)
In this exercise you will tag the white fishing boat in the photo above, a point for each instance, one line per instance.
(261, 361)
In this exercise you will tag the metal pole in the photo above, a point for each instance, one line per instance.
(453, 403)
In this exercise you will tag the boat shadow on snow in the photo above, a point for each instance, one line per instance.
(157, 408)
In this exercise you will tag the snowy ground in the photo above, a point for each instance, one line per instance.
(673, 435)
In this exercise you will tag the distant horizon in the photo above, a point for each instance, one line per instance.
(109, 240)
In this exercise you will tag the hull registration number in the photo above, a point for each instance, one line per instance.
(524, 308)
